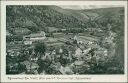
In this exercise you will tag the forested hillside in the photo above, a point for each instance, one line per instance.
(38, 17)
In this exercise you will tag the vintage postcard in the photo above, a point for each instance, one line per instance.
(64, 41)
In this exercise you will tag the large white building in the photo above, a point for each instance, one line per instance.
(37, 36)
(34, 37)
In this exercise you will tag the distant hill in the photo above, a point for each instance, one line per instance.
(38, 17)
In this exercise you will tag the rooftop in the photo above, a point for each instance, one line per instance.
(41, 34)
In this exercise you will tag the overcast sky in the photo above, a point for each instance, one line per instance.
(87, 6)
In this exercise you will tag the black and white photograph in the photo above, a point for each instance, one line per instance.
(64, 40)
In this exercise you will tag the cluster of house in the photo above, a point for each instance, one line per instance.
(79, 52)
(13, 52)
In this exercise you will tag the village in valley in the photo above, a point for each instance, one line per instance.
(54, 51)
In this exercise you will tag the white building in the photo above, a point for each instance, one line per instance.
(27, 42)
(34, 37)
(78, 52)
(37, 36)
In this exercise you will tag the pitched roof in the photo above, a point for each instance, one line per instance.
(41, 34)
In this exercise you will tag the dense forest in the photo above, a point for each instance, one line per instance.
(38, 17)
